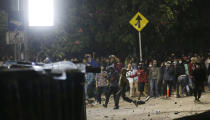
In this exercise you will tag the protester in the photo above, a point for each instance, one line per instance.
(207, 64)
(162, 89)
(198, 77)
(131, 80)
(168, 77)
(112, 87)
(154, 78)
(181, 79)
(123, 87)
(135, 79)
(191, 67)
(101, 84)
(89, 78)
(141, 79)
(187, 73)
(118, 65)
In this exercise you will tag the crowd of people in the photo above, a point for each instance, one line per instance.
(179, 76)
(151, 78)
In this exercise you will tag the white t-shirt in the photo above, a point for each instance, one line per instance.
(135, 78)
(129, 73)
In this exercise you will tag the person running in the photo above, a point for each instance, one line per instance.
(123, 87)
(112, 88)
(101, 84)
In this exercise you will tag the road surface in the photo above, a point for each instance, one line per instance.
(154, 109)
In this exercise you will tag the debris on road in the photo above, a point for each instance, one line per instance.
(176, 113)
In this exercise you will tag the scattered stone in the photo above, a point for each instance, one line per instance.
(175, 102)
(90, 105)
(157, 111)
(148, 114)
(176, 113)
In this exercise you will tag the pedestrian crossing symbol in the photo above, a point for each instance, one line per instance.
(139, 21)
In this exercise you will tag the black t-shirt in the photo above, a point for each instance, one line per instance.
(199, 75)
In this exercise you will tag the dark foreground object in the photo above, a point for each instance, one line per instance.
(201, 116)
(28, 95)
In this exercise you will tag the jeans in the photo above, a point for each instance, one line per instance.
(101, 90)
(197, 90)
(86, 90)
(154, 88)
(190, 82)
(122, 92)
(170, 84)
(209, 82)
(110, 91)
(182, 80)
(89, 80)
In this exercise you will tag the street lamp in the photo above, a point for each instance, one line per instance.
(40, 13)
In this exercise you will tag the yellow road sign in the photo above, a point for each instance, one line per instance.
(139, 21)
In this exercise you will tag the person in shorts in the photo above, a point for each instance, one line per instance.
(142, 79)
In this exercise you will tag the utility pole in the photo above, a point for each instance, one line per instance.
(17, 13)
(25, 41)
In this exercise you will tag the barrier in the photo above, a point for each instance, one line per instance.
(28, 95)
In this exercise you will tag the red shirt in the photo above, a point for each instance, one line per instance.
(142, 76)
(191, 68)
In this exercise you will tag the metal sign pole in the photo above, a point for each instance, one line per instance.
(140, 49)
(139, 22)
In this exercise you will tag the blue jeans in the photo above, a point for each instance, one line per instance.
(86, 90)
(89, 79)
(190, 82)
(101, 90)
(183, 81)
(154, 88)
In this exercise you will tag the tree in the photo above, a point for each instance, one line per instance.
(103, 26)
